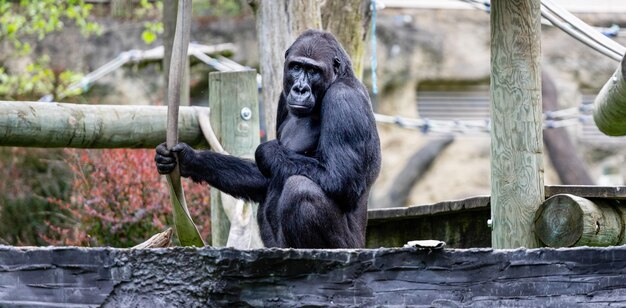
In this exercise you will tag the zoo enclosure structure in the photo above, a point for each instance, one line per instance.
(406, 276)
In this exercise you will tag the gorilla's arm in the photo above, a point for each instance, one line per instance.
(347, 157)
(233, 175)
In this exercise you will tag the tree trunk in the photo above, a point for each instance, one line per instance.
(279, 22)
(561, 150)
(122, 8)
(349, 21)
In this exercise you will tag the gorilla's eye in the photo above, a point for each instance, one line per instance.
(296, 67)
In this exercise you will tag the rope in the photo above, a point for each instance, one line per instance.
(374, 60)
(552, 119)
(244, 230)
(595, 38)
(207, 130)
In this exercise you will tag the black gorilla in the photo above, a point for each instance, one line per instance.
(312, 182)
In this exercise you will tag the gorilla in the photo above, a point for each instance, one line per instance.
(312, 182)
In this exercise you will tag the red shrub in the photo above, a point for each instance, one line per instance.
(118, 199)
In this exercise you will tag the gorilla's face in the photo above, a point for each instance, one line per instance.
(310, 69)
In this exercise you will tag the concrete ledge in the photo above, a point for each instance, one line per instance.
(182, 277)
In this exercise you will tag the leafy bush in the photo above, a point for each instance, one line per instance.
(118, 199)
(30, 176)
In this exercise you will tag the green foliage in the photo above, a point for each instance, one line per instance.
(30, 177)
(38, 80)
(38, 18)
(33, 20)
(152, 29)
(228, 8)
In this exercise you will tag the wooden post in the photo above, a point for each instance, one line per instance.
(233, 99)
(567, 220)
(610, 104)
(516, 136)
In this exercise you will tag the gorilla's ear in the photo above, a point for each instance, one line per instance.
(336, 64)
(287, 52)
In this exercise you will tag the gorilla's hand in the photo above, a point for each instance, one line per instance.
(265, 154)
(166, 162)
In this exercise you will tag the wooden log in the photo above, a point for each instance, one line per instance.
(159, 240)
(408, 277)
(516, 135)
(54, 125)
(609, 111)
(567, 220)
(233, 99)
(588, 191)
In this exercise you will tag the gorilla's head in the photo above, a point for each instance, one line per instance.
(312, 63)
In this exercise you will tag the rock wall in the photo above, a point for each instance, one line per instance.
(207, 277)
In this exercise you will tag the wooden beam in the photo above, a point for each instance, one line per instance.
(609, 111)
(516, 137)
(233, 99)
(567, 220)
(54, 125)
(588, 191)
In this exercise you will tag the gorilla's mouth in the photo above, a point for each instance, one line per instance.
(299, 109)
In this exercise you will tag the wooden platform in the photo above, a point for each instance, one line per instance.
(460, 223)
(81, 277)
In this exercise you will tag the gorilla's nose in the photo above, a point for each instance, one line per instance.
(302, 90)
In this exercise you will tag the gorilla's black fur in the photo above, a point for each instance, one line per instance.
(312, 182)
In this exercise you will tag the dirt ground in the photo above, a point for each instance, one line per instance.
(461, 171)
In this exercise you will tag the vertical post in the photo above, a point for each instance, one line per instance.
(517, 187)
(231, 96)
(170, 7)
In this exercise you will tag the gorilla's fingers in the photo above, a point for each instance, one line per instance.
(160, 159)
(180, 147)
(162, 149)
(165, 168)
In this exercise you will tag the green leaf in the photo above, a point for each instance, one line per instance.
(148, 36)
(186, 230)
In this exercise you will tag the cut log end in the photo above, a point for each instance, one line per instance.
(558, 222)
(567, 220)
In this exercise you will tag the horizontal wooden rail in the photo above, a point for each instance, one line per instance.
(51, 125)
